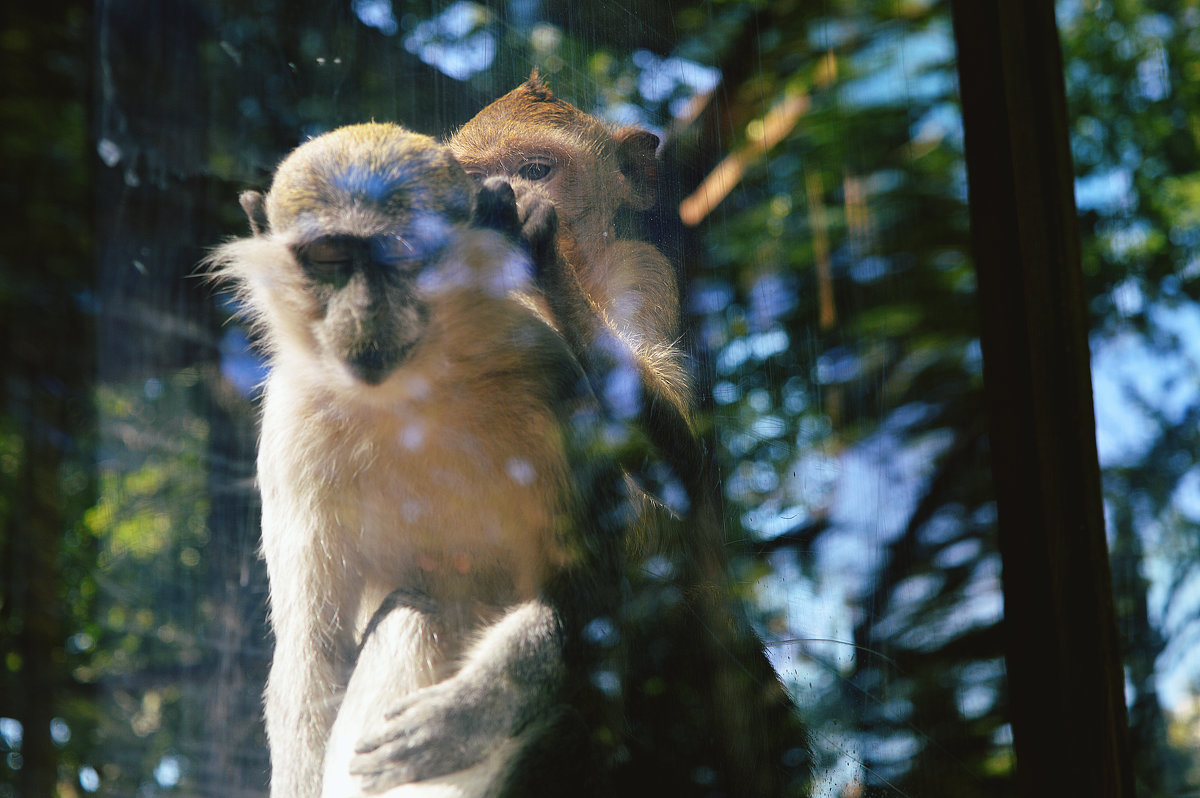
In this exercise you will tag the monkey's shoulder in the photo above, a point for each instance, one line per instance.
(506, 347)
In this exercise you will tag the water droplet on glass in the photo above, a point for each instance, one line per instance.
(109, 152)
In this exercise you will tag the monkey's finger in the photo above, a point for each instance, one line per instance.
(380, 782)
(539, 231)
(399, 763)
(394, 754)
(375, 777)
(430, 698)
(400, 707)
(391, 732)
(496, 206)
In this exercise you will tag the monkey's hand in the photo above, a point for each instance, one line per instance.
(496, 207)
(522, 212)
(630, 388)
(510, 678)
(441, 729)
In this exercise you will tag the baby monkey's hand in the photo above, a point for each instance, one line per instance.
(523, 212)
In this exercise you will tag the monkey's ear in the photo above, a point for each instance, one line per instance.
(256, 211)
(636, 154)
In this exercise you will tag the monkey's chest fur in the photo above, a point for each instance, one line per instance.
(449, 478)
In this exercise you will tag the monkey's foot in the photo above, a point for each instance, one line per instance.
(441, 729)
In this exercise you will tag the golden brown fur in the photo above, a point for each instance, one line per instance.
(591, 173)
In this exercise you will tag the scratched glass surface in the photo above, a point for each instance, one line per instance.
(813, 198)
(1129, 69)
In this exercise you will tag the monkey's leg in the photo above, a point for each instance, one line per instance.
(300, 702)
(508, 679)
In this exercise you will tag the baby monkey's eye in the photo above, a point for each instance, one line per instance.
(535, 170)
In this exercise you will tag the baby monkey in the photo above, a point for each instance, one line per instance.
(592, 174)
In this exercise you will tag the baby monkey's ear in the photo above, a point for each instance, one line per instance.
(637, 156)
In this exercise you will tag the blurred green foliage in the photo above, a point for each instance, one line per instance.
(1133, 85)
(831, 298)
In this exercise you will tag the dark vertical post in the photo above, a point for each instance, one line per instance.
(1066, 688)
(46, 365)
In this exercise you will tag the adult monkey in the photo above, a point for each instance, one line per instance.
(438, 486)
(426, 448)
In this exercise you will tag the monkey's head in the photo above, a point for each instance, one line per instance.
(363, 212)
(365, 181)
(589, 170)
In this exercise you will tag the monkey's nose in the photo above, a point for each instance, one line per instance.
(374, 364)
(370, 367)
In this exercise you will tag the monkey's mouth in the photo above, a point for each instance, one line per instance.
(375, 364)
(375, 343)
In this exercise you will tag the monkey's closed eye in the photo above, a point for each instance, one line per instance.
(536, 170)
(393, 251)
(329, 260)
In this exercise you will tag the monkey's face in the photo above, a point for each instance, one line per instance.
(370, 314)
(571, 168)
(555, 164)
(367, 212)
(586, 169)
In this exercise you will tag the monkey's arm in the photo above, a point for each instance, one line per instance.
(303, 690)
(641, 292)
(642, 386)
(510, 678)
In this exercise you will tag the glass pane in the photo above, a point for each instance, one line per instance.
(813, 198)
(1131, 77)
